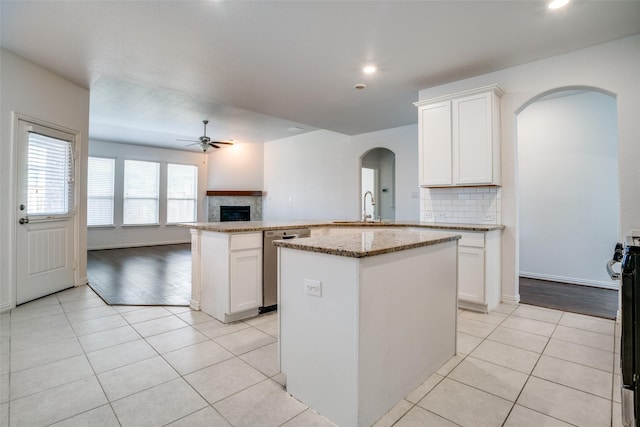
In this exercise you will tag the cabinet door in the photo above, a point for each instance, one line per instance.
(435, 144)
(472, 140)
(471, 274)
(246, 279)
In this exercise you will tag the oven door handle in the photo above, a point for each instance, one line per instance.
(613, 274)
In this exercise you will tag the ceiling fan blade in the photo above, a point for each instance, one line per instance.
(222, 142)
(213, 144)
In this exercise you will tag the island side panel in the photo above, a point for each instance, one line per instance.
(214, 278)
(318, 341)
(408, 313)
(196, 269)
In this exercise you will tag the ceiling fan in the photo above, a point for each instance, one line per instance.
(205, 142)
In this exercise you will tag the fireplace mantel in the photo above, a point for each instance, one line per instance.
(250, 193)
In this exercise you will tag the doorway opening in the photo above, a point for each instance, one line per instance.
(378, 175)
(568, 199)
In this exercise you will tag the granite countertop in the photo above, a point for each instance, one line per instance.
(246, 226)
(368, 243)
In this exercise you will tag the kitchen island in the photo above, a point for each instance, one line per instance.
(227, 259)
(365, 318)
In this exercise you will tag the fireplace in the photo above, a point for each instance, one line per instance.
(235, 213)
(251, 201)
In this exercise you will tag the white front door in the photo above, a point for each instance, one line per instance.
(45, 210)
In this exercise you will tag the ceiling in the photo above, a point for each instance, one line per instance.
(260, 69)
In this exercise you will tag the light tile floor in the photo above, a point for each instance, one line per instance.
(70, 360)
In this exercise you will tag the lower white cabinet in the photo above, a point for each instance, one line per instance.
(246, 279)
(479, 284)
(471, 283)
(231, 275)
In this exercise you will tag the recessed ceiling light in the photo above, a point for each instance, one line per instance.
(369, 69)
(557, 4)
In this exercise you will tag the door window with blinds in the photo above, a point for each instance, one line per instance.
(182, 184)
(50, 174)
(100, 188)
(141, 192)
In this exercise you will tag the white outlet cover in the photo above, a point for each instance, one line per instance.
(313, 287)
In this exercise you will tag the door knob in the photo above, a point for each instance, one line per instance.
(24, 220)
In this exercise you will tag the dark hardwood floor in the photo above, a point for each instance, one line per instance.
(161, 275)
(152, 275)
(568, 297)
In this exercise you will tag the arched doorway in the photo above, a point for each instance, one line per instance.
(567, 174)
(378, 172)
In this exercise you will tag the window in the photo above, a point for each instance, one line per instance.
(182, 184)
(49, 176)
(141, 192)
(100, 191)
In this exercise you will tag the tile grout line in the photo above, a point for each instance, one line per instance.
(515, 402)
(84, 352)
(267, 377)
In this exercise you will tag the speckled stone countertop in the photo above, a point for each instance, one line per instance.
(368, 243)
(245, 226)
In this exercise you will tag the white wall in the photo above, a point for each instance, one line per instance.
(28, 89)
(568, 188)
(613, 67)
(239, 167)
(317, 175)
(130, 236)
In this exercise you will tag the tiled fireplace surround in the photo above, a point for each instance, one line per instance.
(464, 205)
(234, 198)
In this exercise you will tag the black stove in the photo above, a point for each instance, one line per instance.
(629, 256)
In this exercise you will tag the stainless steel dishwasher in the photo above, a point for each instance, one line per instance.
(270, 264)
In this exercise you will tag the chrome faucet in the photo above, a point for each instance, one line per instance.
(364, 205)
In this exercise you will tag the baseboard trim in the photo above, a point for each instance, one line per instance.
(512, 300)
(5, 307)
(137, 245)
(571, 280)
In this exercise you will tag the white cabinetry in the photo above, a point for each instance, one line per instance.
(459, 139)
(479, 284)
(231, 275)
(435, 144)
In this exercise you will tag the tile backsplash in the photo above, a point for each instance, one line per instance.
(464, 205)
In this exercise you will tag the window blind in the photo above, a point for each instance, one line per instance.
(141, 192)
(182, 184)
(50, 176)
(100, 186)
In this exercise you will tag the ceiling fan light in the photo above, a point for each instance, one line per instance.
(369, 69)
(557, 4)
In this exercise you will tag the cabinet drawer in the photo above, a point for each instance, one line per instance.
(245, 241)
(475, 240)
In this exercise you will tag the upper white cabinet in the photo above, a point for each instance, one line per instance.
(459, 139)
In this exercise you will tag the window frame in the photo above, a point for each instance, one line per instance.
(194, 198)
(113, 193)
(31, 174)
(156, 197)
